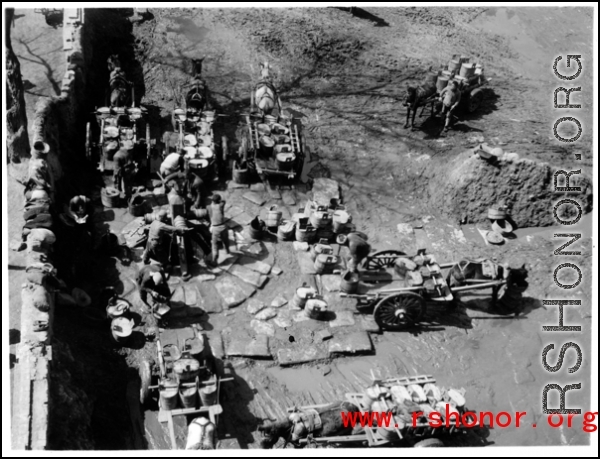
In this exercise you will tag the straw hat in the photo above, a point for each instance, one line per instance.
(190, 140)
(41, 147)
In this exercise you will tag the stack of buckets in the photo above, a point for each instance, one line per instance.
(459, 69)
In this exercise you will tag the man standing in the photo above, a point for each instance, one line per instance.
(359, 248)
(152, 281)
(159, 240)
(218, 229)
(125, 169)
(450, 98)
(195, 187)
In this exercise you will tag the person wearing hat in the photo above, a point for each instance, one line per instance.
(80, 209)
(359, 248)
(450, 98)
(152, 281)
(40, 150)
(218, 229)
(159, 240)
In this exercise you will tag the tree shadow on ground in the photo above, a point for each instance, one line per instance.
(363, 14)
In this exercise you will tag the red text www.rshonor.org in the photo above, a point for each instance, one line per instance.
(468, 419)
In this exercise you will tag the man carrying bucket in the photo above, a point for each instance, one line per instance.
(359, 248)
(450, 98)
(218, 229)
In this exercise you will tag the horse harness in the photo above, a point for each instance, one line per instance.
(268, 85)
(489, 269)
(420, 93)
(304, 422)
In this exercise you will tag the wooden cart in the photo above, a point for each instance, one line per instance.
(404, 306)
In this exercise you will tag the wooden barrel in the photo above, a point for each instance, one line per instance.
(110, 197)
(432, 77)
(340, 220)
(305, 232)
(188, 394)
(315, 308)
(119, 309)
(454, 66)
(320, 219)
(255, 228)
(301, 296)
(208, 395)
(285, 231)
(121, 329)
(187, 369)
(324, 263)
(502, 226)
(240, 174)
(467, 70)
(168, 391)
(321, 248)
(349, 283)
(441, 82)
(273, 217)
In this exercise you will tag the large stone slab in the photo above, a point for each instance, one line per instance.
(331, 282)
(232, 291)
(255, 306)
(254, 264)
(254, 198)
(367, 323)
(247, 275)
(243, 346)
(351, 343)
(262, 328)
(266, 314)
(279, 301)
(300, 354)
(342, 319)
(324, 190)
(208, 298)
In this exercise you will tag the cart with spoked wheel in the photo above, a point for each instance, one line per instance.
(414, 281)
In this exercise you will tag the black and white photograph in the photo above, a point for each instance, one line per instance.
(289, 226)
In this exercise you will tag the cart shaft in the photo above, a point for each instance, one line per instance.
(477, 286)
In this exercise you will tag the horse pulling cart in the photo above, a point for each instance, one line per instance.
(419, 279)
(399, 429)
(270, 147)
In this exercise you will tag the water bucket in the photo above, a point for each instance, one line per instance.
(325, 262)
(315, 308)
(279, 129)
(320, 219)
(206, 153)
(186, 368)
(441, 82)
(322, 248)
(121, 329)
(137, 205)
(285, 231)
(240, 174)
(349, 283)
(282, 139)
(285, 161)
(270, 120)
(120, 309)
(305, 232)
(255, 228)
(266, 144)
(301, 296)
(340, 220)
(188, 394)
(208, 116)
(467, 70)
(283, 148)
(454, 66)
(168, 390)
(208, 395)
(502, 226)
(273, 217)
(110, 197)
(263, 129)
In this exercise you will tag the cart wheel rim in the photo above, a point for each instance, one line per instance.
(381, 260)
(399, 311)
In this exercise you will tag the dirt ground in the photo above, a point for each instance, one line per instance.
(344, 77)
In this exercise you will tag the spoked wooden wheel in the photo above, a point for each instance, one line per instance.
(145, 372)
(399, 311)
(381, 260)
